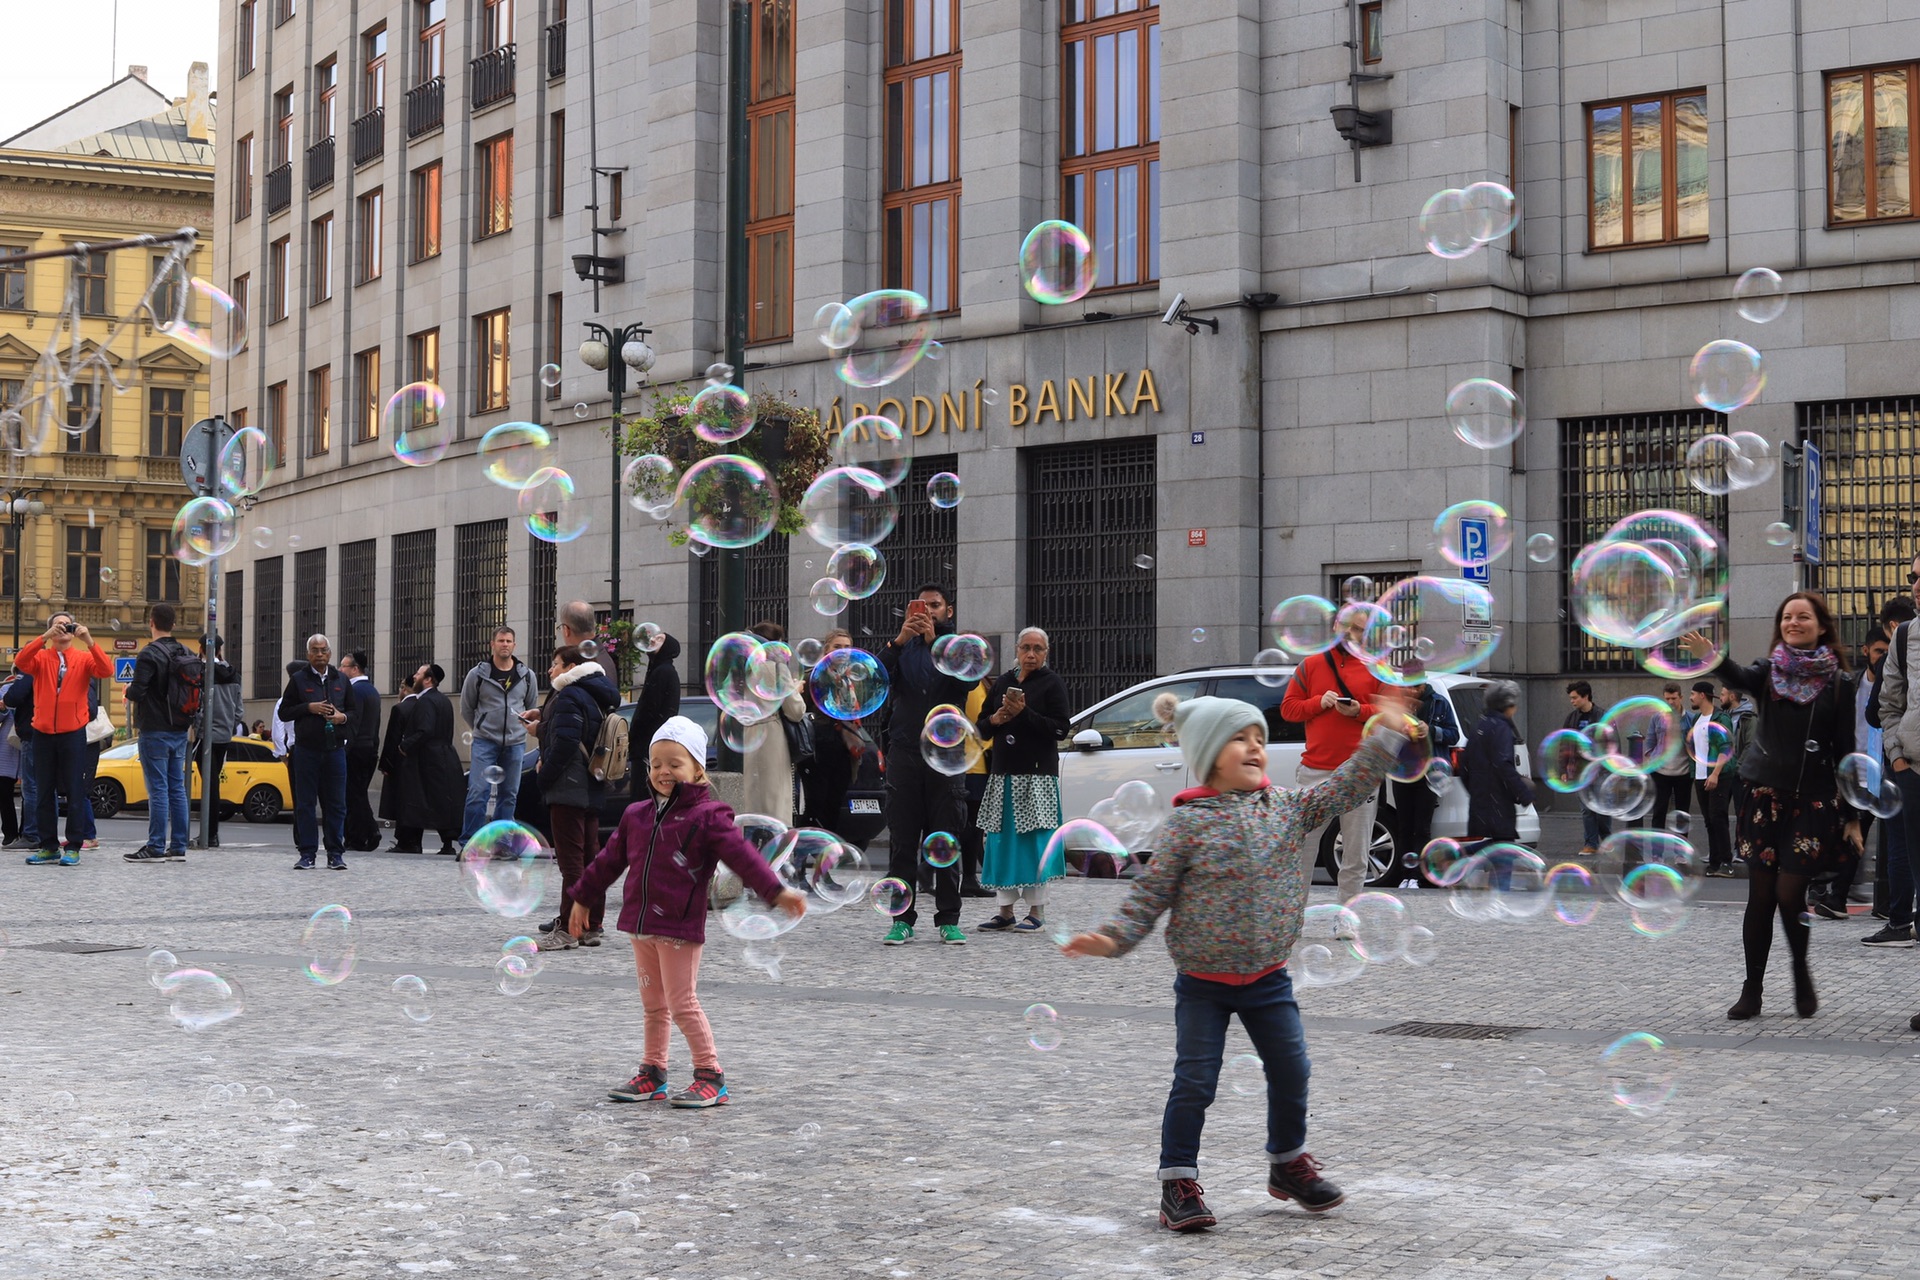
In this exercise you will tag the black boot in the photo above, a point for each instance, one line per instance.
(1748, 1004)
(1181, 1208)
(1805, 1002)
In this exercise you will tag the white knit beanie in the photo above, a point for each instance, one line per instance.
(685, 732)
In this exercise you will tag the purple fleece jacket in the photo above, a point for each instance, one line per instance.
(671, 847)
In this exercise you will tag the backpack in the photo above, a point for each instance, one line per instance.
(608, 762)
(186, 685)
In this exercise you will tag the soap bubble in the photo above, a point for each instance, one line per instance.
(1727, 375)
(1719, 745)
(1198, 635)
(892, 330)
(1865, 785)
(198, 999)
(744, 738)
(1679, 821)
(1057, 263)
(549, 375)
(1571, 893)
(1415, 756)
(1094, 842)
(1645, 735)
(580, 410)
(770, 674)
(1542, 548)
(1304, 625)
(415, 422)
(836, 326)
(1448, 226)
(1649, 869)
(415, 997)
(1246, 1075)
(1638, 1073)
(1432, 625)
(849, 504)
(1619, 795)
(856, 571)
(649, 636)
(728, 501)
(329, 944)
(1422, 948)
(1043, 1026)
(949, 744)
(940, 850)
(1707, 463)
(262, 537)
(729, 671)
(107, 576)
(766, 957)
(1779, 534)
(1485, 414)
(1567, 762)
(877, 444)
(1324, 955)
(650, 482)
(1752, 463)
(848, 684)
(548, 509)
(1490, 211)
(944, 491)
(890, 897)
(204, 530)
(222, 337)
(826, 599)
(1383, 926)
(1143, 562)
(1473, 533)
(1760, 295)
(752, 920)
(589, 649)
(494, 774)
(510, 976)
(808, 652)
(962, 655)
(515, 452)
(244, 464)
(505, 868)
(721, 413)
(1272, 668)
(1356, 588)
(1620, 591)
(719, 373)
(160, 963)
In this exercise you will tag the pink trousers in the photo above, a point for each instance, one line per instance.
(669, 972)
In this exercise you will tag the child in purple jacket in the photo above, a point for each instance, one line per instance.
(671, 846)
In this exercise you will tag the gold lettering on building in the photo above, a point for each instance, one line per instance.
(1048, 402)
(1076, 397)
(1094, 396)
(922, 425)
(1143, 390)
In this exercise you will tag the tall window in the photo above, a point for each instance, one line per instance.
(326, 83)
(90, 278)
(423, 356)
(166, 421)
(615, 184)
(491, 361)
(283, 10)
(279, 264)
(243, 39)
(13, 281)
(1647, 170)
(921, 208)
(556, 163)
(368, 239)
(426, 212)
(83, 561)
(243, 177)
(1869, 174)
(10, 561)
(83, 419)
(163, 568)
(320, 259)
(283, 126)
(412, 613)
(433, 43)
(494, 185)
(164, 293)
(496, 24)
(242, 294)
(770, 181)
(1370, 35)
(555, 340)
(1110, 127)
(480, 585)
(366, 400)
(356, 589)
(277, 419)
(373, 69)
(1868, 470)
(269, 663)
(319, 410)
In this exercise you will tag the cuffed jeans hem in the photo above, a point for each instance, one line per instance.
(1286, 1157)
(1186, 1171)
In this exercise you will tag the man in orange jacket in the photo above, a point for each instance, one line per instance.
(1331, 693)
(61, 662)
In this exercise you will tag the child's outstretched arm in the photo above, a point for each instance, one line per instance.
(732, 848)
(1151, 895)
(1352, 782)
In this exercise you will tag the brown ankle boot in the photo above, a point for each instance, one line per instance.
(1748, 1004)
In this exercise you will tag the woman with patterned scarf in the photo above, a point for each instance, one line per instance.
(1792, 817)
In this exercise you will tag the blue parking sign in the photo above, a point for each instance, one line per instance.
(1473, 551)
(1810, 506)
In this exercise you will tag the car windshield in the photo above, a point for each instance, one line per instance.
(1468, 702)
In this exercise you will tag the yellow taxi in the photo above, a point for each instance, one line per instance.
(253, 784)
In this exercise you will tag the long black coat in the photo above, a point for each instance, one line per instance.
(431, 786)
(1494, 784)
(657, 703)
(390, 757)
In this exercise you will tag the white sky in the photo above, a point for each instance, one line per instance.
(65, 50)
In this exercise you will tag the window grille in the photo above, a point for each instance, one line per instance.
(1869, 527)
(479, 590)
(543, 603)
(765, 564)
(269, 658)
(922, 550)
(357, 590)
(233, 609)
(310, 599)
(412, 595)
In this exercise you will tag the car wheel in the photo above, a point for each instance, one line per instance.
(108, 797)
(1382, 863)
(262, 804)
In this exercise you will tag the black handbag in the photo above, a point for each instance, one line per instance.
(799, 740)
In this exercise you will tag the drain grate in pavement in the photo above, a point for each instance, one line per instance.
(1452, 1030)
(78, 948)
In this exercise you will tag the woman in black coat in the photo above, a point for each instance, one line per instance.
(582, 699)
(1024, 718)
(1793, 823)
(657, 702)
(1495, 787)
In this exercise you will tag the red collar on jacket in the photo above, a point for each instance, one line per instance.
(1208, 793)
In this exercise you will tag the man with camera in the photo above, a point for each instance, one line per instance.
(1331, 693)
(315, 703)
(62, 662)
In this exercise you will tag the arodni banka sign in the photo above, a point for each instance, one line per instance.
(1110, 395)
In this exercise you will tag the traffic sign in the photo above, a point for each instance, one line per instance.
(123, 670)
(200, 454)
(1473, 550)
(1810, 504)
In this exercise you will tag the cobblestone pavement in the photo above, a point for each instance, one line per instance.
(890, 1118)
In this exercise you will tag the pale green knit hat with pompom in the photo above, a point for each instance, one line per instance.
(1205, 725)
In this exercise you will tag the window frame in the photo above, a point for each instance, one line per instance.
(493, 186)
(326, 99)
(80, 397)
(495, 32)
(556, 163)
(369, 249)
(320, 259)
(96, 286)
(243, 179)
(366, 402)
(556, 303)
(374, 44)
(1669, 162)
(428, 238)
(246, 44)
(282, 116)
(770, 300)
(430, 48)
(423, 355)
(1080, 126)
(161, 301)
(163, 567)
(319, 428)
(86, 558)
(167, 434)
(1372, 35)
(22, 272)
(493, 360)
(277, 420)
(897, 204)
(1869, 136)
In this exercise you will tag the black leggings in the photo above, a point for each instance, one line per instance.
(1769, 892)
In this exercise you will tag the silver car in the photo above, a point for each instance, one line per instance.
(1119, 740)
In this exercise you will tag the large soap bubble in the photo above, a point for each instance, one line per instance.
(721, 413)
(514, 452)
(1473, 533)
(848, 684)
(415, 422)
(329, 943)
(549, 508)
(1727, 375)
(205, 529)
(963, 655)
(199, 998)
(506, 868)
(730, 669)
(1424, 625)
(891, 332)
(1057, 263)
(1304, 625)
(1485, 414)
(650, 482)
(849, 504)
(877, 444)
(949, 744)
(245, 461)
(1760, 295)
(727, 501)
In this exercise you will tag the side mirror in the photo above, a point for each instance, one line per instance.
(1089, 740)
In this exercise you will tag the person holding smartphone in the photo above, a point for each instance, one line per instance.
(1331, 694)
(62, 662)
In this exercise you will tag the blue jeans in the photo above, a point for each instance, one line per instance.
(29, 792)
(1900, 878)
(1272, 1021)
(320, 777)
(59, 765)
(1594, 827)
(487, 753)
(163, 762)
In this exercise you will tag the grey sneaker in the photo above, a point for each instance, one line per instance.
(1891, 936)
(558, 940)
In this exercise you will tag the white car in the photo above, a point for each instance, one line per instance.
(1119, 740)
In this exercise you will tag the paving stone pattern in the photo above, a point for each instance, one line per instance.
(890, 1118)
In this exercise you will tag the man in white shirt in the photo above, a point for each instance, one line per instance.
(1709, 763)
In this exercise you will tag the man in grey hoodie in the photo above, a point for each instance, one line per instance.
(493, 698)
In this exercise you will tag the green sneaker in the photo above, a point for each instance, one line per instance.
(42, 857)
(952, 935)
(898, 936)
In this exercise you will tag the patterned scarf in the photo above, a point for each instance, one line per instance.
(1800, 674)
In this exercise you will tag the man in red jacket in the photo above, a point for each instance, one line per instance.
(1331, 693)
(61, 662)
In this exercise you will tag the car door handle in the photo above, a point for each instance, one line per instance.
(1170, 765)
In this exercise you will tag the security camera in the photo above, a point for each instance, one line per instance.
(1176, 311)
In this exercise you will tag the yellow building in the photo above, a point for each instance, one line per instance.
(98, 494)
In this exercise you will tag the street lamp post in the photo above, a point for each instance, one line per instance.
(20, 504)
(599, 351)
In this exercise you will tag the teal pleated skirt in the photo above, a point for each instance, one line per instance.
(1012, 857)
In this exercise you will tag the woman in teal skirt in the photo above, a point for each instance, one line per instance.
(1022, 722)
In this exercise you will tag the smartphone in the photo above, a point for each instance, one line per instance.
(1345, 702)
(917, 607)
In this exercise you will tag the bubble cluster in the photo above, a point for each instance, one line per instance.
(963, 655)
(506, 869)
(1057, 263)
(1454, 222)
(1324, 954)
(855, 571)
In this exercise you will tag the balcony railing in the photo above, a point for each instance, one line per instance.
(320, 164)
(426, 104)
(557, 50)
(369, 136)
(491, 77)
(84, 466)
(160, 470)
(279, 187)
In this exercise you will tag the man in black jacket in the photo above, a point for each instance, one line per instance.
(363, 751)
(315, 703)
(405, 839)
(163, 743)
(920, 799)
(658, 702)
